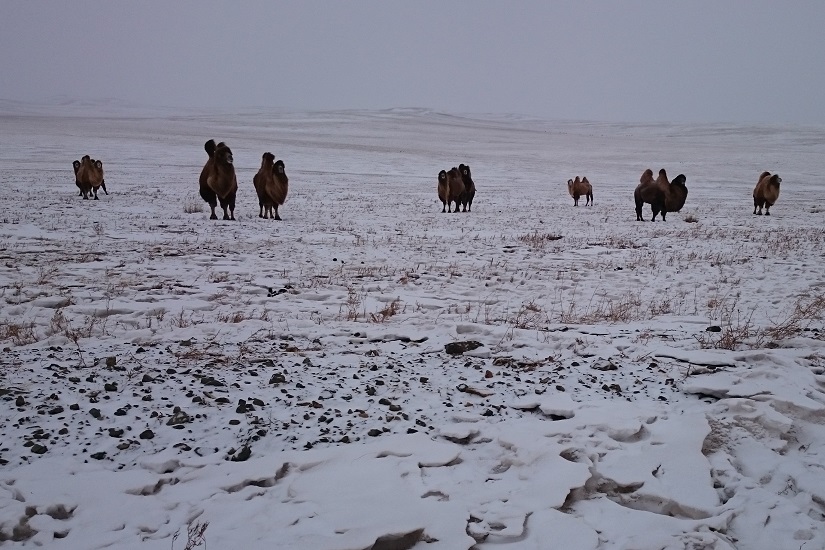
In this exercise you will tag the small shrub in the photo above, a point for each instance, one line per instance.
(192, 207)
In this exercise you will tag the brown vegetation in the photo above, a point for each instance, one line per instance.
(217, 180)
(580, 188)
(272, 185)
(663, 196)
(766, 192)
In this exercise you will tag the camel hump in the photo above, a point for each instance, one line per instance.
(210, 147)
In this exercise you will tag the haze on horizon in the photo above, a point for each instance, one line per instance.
(704, 61)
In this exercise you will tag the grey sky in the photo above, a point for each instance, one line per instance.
(745, 61)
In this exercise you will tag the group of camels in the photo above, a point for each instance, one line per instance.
(669, 196)
(218, 184)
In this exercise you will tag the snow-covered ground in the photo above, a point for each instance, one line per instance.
(286, 385)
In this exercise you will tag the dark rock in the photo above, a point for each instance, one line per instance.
(111, 361)
(98, 456)
(115, 432)
(178, 418)
(38, 449)
(374, 433)
(147, 434)
(245, 453)
(458, 348)
(713, 328)
(95, 413)
(110, 387)
(19, 402)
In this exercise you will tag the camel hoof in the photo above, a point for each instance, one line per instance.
(767, 213)
(277, 217)
(213, 217)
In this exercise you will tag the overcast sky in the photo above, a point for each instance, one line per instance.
(695, 61)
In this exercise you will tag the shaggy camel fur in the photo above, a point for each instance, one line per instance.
(272, 185)
(663, 196)
(580, 188)
(443, 190)
(469, 187)
(456, 188)
(89, 176)
(766, 192)
(217, 180)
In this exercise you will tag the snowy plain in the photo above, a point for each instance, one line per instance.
(285, 384)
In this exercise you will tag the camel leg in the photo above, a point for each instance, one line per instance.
(767, 209)
(260, 209)
(277, 216)
(211, 199)
(95, 192)
(443, 207)
(103, 185)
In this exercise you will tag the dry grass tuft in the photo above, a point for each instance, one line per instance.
(389, 310)
(538, 241)
(192, 207)
(19, 334)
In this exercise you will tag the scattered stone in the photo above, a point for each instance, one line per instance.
(147, 434)
(714, 328)
(374, 432)
(98, 456)
(111, 361)
(110, 387)
(178, 417)
(115, 432)
(242, 456)
(604, 365)
(482, 392)
(19, 402)
(458, 348)
(95, 413)
(38, 449)
(277, 378)
(212, 381)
